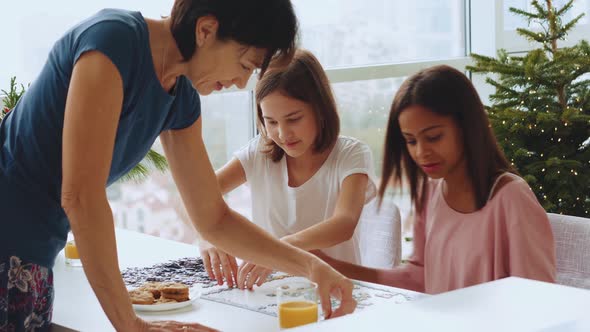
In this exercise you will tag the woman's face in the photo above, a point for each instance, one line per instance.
(433, 141)
(290, 123)
(220, 64)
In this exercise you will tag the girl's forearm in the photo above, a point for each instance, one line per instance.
(407, 276)
(325, 234)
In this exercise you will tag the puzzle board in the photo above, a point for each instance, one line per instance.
(262, 299)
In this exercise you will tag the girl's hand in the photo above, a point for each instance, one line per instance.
(250, 274)
(219, 264)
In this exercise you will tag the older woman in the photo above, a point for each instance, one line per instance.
(110, 87)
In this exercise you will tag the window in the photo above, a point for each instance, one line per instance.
(353, 33)
(226, 124)
(31, 28)
(364, 115)
(368, 47)
(226, 128)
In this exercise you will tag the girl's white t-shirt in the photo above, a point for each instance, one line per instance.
(282, 210)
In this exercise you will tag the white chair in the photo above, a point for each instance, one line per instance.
(572, 247)
(379, 234)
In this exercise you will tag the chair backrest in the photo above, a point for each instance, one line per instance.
(572, 248)
(379, 234)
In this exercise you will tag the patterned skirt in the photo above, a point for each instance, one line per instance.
(26, 296)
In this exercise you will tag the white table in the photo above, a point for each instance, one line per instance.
(511, 304)
(76, 307)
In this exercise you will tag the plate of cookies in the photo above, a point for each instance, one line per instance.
(162, 296)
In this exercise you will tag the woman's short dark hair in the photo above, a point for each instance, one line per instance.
(447, 92)
(267, 24)
(303, 79)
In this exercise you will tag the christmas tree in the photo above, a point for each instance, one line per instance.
(540, 110)
(153, 160)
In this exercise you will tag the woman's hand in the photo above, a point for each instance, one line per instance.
(250, 274)
(219, 264)
(168, 325)
(332, 283)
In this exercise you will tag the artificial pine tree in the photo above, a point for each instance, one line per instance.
(540, 111)
(153, 160)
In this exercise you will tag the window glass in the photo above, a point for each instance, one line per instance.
(353, 33)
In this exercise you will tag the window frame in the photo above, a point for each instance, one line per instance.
(356, 73)
(485, 37)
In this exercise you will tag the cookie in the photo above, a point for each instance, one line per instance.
(139, 296)
(153, 287)
(173, 288)
(176, 291)
(176, 297)
(165, 300)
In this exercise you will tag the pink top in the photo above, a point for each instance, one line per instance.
(509, 236)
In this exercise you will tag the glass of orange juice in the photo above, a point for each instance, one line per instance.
(297, 304)
(71, 252)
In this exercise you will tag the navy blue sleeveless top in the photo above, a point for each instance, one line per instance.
(33, 225)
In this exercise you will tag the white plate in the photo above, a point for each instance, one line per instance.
(193, 295)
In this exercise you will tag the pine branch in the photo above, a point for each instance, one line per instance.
(138, 174)
(527, 15)
(12, 96)
(540, 9)
(570, 25)
(156, 160)
(494, 66)
(531, 35)
(565, 8)
(152, 160)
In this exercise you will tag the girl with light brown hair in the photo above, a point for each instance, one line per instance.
(308, 184)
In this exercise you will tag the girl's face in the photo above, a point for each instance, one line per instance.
(290, 123)
(433, 141)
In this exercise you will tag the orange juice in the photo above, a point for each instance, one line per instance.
(71, 251)
(297, 313)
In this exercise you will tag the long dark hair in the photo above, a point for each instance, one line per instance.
(303, 79)
(448, 92)
(268, 24)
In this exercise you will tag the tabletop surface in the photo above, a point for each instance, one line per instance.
(76, 307)
(510, 304)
